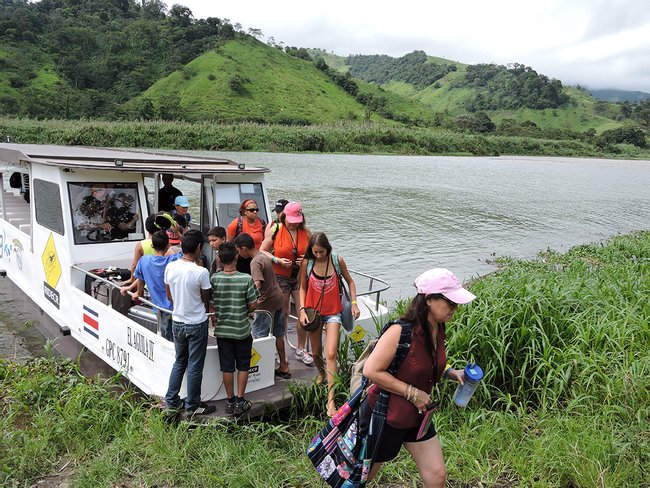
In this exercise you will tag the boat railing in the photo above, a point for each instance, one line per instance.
(371, 290)
(116, 288)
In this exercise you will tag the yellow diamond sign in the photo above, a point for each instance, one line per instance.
(51, 264)
(255, 357)
(357, 334)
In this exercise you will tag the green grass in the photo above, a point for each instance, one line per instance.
(351, 137)
(564, 341)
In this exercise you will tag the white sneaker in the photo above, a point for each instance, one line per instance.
(304, 356)
(308, 359)
(300, 353)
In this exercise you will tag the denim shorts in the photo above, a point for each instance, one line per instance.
(287, 285)
(262, 324)
(328, 319)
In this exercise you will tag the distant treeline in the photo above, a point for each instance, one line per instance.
(414, 68)
(510, 88)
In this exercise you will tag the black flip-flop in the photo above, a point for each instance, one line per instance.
(283, 374)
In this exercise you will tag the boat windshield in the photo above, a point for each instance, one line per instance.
(104, 212)
(229, 197)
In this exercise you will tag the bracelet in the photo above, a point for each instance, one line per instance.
(302, 308)
(274, 260)
(354, 302)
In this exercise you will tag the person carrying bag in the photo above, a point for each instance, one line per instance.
(343, 452)
(320, 289)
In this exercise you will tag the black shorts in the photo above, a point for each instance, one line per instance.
(235, 351)
(391, 438)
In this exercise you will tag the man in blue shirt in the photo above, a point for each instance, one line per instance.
(150, 270)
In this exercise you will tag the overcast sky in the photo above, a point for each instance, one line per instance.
(594, 43)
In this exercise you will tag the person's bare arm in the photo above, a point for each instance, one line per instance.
(205, 298)
(351, 285)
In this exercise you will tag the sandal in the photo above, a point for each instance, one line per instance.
(283, 374)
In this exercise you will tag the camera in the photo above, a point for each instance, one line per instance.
(295, 268)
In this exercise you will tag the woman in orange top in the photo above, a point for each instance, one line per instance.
(286, 243)
(320, 290)
(250, 223)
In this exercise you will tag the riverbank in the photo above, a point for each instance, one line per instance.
(350, 138)
(564, 340)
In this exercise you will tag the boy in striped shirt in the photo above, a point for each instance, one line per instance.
(234, 296)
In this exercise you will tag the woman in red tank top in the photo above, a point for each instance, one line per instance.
(320, 290)
(439, 294)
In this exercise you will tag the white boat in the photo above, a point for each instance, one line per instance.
(48, 253)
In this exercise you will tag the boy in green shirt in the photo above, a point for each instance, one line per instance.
(234, 296)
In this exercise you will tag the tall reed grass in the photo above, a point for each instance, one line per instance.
(564, 341)
(345, 137)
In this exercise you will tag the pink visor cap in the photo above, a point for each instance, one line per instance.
(293, 213)
(444, 282)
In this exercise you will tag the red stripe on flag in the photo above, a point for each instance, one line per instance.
(92, 322)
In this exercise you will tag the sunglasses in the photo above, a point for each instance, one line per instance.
(252, 209)
(451, 303)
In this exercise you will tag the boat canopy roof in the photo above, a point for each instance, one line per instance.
(119, 159)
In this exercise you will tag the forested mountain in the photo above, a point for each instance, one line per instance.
(128, 59)
(84, 58)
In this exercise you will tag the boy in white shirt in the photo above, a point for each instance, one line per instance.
(188, 287)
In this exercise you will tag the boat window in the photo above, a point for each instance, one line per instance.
(47, 202)
(103, 212)
(231, 195)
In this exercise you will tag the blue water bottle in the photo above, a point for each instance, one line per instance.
(473, 374)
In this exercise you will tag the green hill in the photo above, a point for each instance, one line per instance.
(244, 79)
(443, 86)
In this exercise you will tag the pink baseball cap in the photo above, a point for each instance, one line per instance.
(444, 282)
(293, 213)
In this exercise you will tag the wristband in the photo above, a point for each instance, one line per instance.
(446, 371)
(354, 302)
(274, 260)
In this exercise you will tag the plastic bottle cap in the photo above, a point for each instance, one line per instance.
(474, 372)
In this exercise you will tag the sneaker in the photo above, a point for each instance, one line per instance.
(300, 353)
(202, 409)
(308, 359)
(230, 406)
(171, 415)
(242, 406)
(304, 356)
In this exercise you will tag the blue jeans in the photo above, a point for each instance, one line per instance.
(165, 321)
(191, 342)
